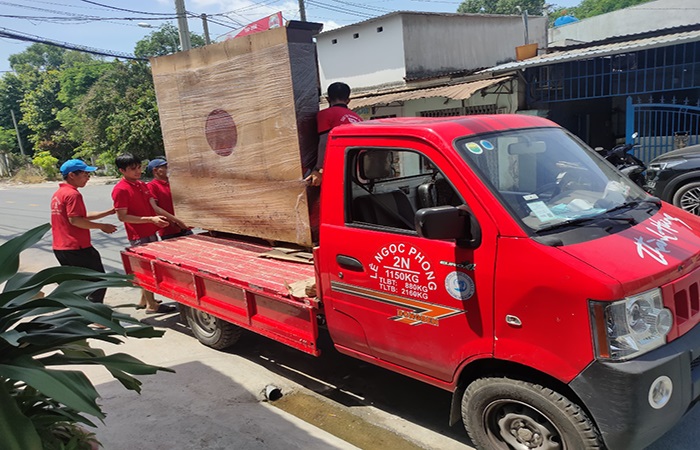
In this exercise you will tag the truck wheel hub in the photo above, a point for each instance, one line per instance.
(524, 428)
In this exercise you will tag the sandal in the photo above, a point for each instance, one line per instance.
(162, 309)
(144, 306)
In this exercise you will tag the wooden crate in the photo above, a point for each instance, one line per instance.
(237, 119)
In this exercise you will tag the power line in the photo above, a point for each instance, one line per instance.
(85, 18)
(118, 9)
(198, 16)
(339, 9)
(357, 5)
(17, 35)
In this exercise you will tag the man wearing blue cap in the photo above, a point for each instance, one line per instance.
(160, 189)
(71, 223)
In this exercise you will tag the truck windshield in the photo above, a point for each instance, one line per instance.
(546, 178)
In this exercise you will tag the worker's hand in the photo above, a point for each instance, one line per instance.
(314, 179)
(108, 228)
(181, 224)
(160, 221)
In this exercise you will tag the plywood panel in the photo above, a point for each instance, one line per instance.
(236, 118)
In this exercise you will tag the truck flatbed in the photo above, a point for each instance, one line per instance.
(230, 279)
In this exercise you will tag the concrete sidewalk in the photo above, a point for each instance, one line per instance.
(215, 400)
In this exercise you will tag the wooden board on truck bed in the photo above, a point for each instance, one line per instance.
(237, 117)
(229, 279)
(236, 261)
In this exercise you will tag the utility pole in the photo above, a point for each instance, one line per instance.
(182, 27)
(527, 34)
(523, 12)
(19, 138)
(302, 11)
(205, 26)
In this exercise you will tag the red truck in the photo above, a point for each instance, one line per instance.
(496, 257)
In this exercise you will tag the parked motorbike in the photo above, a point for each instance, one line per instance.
(621, 157)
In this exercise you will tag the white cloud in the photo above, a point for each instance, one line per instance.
(330, 25)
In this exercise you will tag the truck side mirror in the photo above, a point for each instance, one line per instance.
(449, 222)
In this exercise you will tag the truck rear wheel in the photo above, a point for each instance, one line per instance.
(505, 414)
(212, 331)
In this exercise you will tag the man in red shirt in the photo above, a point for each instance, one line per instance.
(336, 114)
(142, 217)
(71, 223)
(160, 190)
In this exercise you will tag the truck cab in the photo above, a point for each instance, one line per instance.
(454, 249)
(496, 257)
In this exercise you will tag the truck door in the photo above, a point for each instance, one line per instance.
(425, 305)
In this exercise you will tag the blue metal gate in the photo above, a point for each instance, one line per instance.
(662, 126)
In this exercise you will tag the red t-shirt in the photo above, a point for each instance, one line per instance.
(68, 202)
(331, 117)
(160, 190)
(134, 196)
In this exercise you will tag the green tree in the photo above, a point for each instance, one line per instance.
(119, 113)
(164, 42)
(8, 140)
(77, 79)
(39, 108)
(47, 163)
(533, 7)
(37, 57)
(11, 94)
(590, 8)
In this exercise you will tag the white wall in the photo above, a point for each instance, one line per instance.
(654, 15)
(445, 43)
(413, 45)
(413, 108)
(372, 59)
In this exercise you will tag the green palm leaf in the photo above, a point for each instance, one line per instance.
(10, 250)
(39, 403)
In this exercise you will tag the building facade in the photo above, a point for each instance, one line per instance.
(396, 63)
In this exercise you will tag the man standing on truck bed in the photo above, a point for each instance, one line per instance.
(71, 223)
(142, 217)
(160, 190)
(336, 114)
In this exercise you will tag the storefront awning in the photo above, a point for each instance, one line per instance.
(461, 91)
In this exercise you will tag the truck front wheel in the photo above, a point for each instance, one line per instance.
(212, 331)
(505, 414)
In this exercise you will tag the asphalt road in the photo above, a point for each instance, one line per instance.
(213, 401)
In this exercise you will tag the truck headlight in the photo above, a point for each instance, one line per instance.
(631, 327)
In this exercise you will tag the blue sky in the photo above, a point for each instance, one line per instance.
(118, 29)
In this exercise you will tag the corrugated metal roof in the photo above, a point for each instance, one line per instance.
(461, 91)
(593, 51)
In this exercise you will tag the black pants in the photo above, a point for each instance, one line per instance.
(88, 258)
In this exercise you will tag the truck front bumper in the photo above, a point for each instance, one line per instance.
(617, 393)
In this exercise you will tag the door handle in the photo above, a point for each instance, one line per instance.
(349, 263)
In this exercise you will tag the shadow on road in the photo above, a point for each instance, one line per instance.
(345, 380)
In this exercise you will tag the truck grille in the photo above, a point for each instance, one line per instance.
(687, 303)
(682, 296)
(694, 365)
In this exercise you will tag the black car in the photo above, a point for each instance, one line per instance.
(675, 178)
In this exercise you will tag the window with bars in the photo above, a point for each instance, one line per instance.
(647, 71)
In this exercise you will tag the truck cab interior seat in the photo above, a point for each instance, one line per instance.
(390, 209)
(427, 195)
(437, 192)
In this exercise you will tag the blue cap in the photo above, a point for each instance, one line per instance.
(74, 165)
(156, 163)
